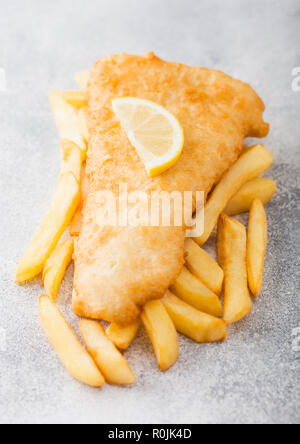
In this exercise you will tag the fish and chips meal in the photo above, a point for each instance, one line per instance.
(152, 129)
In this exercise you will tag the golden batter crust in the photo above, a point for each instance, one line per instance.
(118, 269)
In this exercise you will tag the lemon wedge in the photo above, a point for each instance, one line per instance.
(154, 132)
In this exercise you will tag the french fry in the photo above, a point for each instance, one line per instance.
(66, 118)
(112, 364)
(220, 240)
(202, 265)
(256, 246)
(77, 99)
(76, 223)
(191, 290)
(83, 125)
(82, 79)
(123, 336)
(48, 234)
(201, 327)
(260, 187)
(85, 186)
(72, 159)
(56, 266)
(251, 164)
(162, 334)
(68, 348)
(232, 249)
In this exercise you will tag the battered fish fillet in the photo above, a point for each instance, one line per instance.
(118, 269)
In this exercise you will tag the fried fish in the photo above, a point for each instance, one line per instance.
(119, 268)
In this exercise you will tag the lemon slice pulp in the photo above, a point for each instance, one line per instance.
(154, 132)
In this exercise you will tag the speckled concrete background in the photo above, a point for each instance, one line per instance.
(254, 376)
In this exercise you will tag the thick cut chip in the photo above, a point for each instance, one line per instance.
(47, 236)
(56, 266)
(121, 336)
(83, 126)
(254, 161)
(162, 334)
(261, 188)
(72, 354)
(76, 223)
(75, 98)
(232, 241)
(112, 364)
(201, 327)
(72, 159)
(191, 290)
(256, 246)
(203, 266)
(66, 119)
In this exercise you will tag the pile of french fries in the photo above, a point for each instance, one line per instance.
(193, 305)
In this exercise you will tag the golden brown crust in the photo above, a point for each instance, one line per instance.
(118, 269)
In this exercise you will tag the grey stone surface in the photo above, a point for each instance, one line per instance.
(254, 376)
